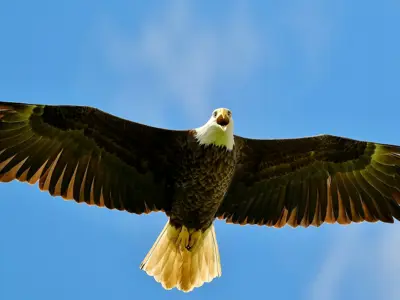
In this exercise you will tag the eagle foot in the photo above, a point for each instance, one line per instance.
(183, 239)
(194, 238)
(188, 239)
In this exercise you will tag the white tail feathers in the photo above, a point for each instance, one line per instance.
(171, 264)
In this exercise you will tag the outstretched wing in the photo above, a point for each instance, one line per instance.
(309, 181)
(87, 155)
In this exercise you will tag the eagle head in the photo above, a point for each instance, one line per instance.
(218, 130)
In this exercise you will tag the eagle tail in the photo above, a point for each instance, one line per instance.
(173, 265)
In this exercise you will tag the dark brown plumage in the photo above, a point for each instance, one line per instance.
(194, 176)
(87, 155)
(202, 178)
(313, 180)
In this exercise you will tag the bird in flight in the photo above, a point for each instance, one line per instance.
(196, 176)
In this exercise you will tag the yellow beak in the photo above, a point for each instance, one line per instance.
(223, 119)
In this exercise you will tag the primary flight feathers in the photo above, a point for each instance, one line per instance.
(87, 155)
(308, 181)
(84, 154)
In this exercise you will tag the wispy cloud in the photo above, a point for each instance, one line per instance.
(313, 29)
(389, 263)
(334, 267)
(355, 254)
(185, 56)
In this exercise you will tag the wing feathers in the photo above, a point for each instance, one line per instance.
(312, 181)
(83, 154)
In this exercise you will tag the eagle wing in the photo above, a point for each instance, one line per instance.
(87, 155)
(309, 181)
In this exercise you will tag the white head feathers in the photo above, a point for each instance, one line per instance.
(218, 130)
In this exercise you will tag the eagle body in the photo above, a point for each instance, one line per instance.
(203, 177)
(196, 176)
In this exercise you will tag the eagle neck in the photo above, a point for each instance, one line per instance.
(212, 134)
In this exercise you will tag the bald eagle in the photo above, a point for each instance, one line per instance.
(195, 176)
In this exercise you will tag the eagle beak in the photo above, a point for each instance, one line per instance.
(223, 120)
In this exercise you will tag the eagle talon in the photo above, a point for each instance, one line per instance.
(194, 239)
(188, 239)
(183, 239)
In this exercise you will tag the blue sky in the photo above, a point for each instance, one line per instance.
(289, 69)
